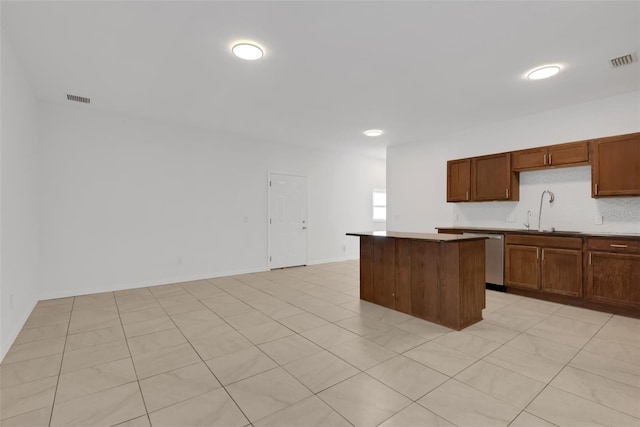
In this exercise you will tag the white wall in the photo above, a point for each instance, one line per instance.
(18, 199)
(123, 198)
(416, 173)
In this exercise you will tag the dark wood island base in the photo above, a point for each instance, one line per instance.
(436, 277)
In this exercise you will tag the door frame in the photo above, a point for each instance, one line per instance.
(306, 249)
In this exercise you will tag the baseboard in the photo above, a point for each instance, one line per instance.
(122, 287)
(492, 287)
(328, 260)
(18, 327)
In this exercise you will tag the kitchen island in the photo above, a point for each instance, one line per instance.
(436, 277)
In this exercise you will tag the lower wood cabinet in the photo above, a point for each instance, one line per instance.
(613, 272)
(595, 272)
(549, 264)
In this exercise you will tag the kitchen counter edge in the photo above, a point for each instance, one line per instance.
(432, 237)
(541, 233)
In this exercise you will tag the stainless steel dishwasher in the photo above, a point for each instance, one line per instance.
(494, 258)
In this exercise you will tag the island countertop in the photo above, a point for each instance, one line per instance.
(432, 237)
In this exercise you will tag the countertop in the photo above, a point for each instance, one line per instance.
(433, 237)
(543, 233)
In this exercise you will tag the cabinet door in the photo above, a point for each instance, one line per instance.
(522, 266)
(568, 154)
(534, 158)
(614, 278)
(615, 169)
(492, 178)
(562, 271)
(458, 180)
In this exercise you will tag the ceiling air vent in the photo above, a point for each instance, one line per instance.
(621, 60)
(77, 98)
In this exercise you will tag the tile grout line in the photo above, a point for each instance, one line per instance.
(278, 365)
(355, 314)
(53, 403)
(360, 370)
(503, 344)
(132, 364)
(198, 354)
(548, 383)
(598, 375)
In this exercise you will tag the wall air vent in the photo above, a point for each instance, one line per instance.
(621, 60)
(77, 98)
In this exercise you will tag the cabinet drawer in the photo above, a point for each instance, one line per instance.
(630, 246)
(544, 241)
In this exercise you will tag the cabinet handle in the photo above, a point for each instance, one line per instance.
(507, 192)
(550, 162)
(543, 254)
(537, 253)
(589, 258)
(545, 159)
(467, 194)
(613, 245)
(596, 189)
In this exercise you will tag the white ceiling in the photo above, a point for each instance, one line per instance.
(331, 69)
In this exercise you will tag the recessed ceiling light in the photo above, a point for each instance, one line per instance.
(248, 51)
(544, 72)
(373, 132)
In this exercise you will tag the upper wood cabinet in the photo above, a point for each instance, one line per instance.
(459, 180)
(482, 179)
(615, 167)
(493, 179)
(560, 155)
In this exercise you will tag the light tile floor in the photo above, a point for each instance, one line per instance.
(296, 347)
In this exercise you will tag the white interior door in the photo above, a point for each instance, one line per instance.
(287, 220)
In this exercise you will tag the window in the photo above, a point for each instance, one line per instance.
(379, 205)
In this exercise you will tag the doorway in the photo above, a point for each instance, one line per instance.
(288, 226)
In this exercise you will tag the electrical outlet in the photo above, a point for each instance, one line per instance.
(597, 220)
(510, 218)
(179, 260)
(245, 219)
(344, 248)
(455, 216)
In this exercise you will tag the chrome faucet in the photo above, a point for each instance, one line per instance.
(540, 211)
(526, 224)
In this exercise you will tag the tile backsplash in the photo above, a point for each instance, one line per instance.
(573, 208)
